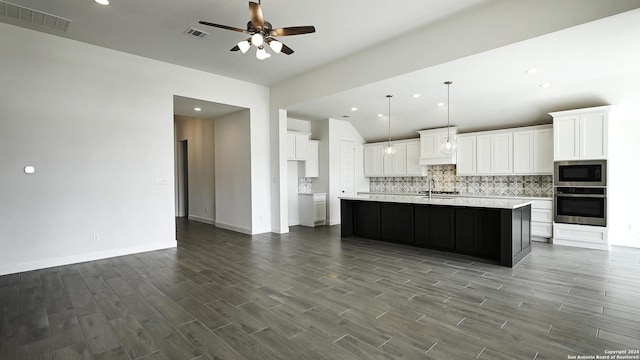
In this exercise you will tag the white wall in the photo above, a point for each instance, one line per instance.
(98, 126)
(343, 130)
(320, 131)
(623, 192)
(298, 125)
(233, 172)
(199, 134)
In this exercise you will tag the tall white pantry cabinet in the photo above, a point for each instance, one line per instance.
(581, 134)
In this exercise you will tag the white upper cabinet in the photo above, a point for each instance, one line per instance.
(466, 155)
(581, 134)
(404, 163)
(523, 152)
(311, 165)
(430, 141)
(533, 150)
(297, 145)
(373, 165)
(518, 151)
(396, 165)
(593, 136)
(494, 153)
(413, 156)
(543, 150)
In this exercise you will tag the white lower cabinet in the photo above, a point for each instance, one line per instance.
(313, 209)
(585, 236)
(542, 220)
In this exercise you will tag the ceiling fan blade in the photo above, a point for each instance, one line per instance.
(223, 27)
(255, 11)
(235, 48)
(287, 50)
(293, 30)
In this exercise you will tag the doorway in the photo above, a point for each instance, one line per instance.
(183, 179)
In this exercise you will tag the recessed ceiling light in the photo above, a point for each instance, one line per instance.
(416, 95)
(440, 104)
(380, 115)
(354, 109)
(197, 109)
(545, 85)
(531, 71)
(102, 2)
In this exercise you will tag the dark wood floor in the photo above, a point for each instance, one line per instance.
(224, 295)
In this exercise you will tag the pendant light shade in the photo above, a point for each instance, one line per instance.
(389, 150)
(450, 145)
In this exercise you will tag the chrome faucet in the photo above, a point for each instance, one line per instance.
(431, 181)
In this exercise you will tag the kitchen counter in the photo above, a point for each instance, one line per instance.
(497, 229)
(448, 200)
(523, 197)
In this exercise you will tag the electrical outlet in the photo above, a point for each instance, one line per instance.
(96, 237)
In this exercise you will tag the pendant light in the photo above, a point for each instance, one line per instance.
(389, 149)
(450, 145)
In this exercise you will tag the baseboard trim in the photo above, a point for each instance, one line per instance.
(334, 222)
(582, 244)
(232, 227)
(80, 258)
(202, 219)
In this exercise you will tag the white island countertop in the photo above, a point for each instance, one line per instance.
(451, 201)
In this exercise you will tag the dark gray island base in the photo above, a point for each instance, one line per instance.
(502, 234)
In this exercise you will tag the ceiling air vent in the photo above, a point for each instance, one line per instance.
(196, 32)
(34, 17)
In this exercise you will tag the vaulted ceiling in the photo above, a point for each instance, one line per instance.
(586, 65)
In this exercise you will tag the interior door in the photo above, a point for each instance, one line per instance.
(347, 168)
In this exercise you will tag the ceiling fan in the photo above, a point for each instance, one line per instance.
(263, 33)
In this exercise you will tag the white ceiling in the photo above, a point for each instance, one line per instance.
(592, 64)
(155, 29)
(588, 65)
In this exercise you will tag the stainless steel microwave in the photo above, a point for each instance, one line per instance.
(580, 173)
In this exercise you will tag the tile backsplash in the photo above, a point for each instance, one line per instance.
(305, 185)
(446, 180)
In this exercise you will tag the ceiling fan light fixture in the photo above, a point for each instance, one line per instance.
(244, 46)
(276, 46)
(257, 39)
(261, 53)
(102, 2)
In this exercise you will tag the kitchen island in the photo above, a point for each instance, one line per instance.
(497, 229)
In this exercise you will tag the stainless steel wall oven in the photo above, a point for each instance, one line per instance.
(580, 205)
